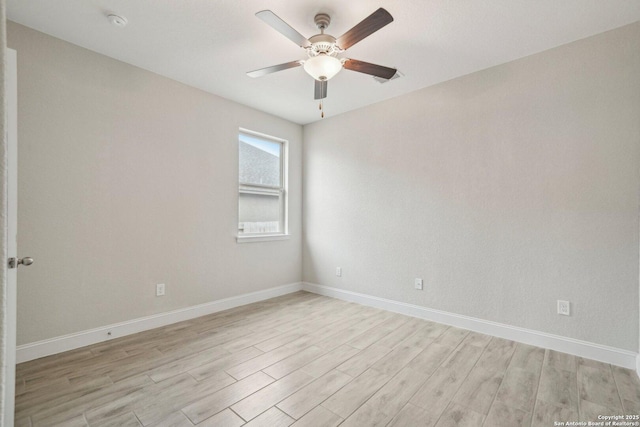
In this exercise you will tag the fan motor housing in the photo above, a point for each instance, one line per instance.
(322, 44)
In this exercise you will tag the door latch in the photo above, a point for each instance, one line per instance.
(16, 262)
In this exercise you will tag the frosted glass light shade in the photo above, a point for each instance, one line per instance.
(322, 67)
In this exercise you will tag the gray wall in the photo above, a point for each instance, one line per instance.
(128, 179)
(505, 190)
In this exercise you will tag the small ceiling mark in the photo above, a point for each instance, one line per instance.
(117, 20)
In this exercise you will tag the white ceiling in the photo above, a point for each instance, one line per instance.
(212, 44)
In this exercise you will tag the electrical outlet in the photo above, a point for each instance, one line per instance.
(418, 284)
(160, 289)
(564, 308)
(339, 271)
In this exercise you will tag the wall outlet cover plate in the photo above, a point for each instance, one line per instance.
(564, 308)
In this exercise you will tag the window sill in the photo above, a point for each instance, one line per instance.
(262, 238)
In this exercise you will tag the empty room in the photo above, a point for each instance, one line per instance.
(320, 213)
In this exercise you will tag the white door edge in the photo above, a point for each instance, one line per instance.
(11, 94)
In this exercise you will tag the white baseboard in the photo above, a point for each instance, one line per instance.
(56, 345)
(615, 356)
(602, 353)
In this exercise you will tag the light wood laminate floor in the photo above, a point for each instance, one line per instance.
(309, 360)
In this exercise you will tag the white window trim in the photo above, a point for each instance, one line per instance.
(263, 189)
(262, 238)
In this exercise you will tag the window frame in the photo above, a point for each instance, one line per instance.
(260, 189)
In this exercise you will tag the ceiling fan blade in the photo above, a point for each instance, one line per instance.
(283, 28)
(365, 28)
(367, 68)
(268, 70)
(320, 91)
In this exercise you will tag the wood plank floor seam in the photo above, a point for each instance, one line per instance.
(496, 394)
(617, 388)
(535, 404)
(462, 382)
(308, 360)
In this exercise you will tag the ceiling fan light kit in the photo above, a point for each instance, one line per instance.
(322, 67)
(323, 49)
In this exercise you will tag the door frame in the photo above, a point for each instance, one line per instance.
(11, 229)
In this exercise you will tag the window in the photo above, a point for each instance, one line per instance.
(262, 195)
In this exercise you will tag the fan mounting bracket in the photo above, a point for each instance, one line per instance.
(322, 21)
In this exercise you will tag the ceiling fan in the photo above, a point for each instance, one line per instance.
(323, 49)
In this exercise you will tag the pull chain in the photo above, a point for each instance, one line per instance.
(320, 107)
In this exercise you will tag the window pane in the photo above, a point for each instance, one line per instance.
(259, 161)
(259, 213)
